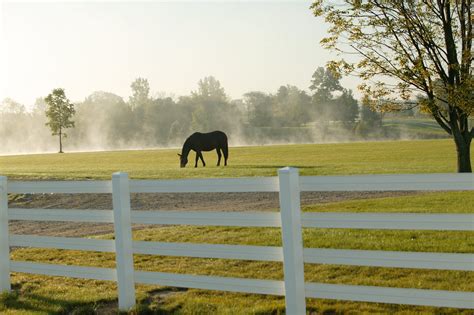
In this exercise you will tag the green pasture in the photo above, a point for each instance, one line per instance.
(34, 294)
(54, 295)
(423, 156)
(415, 128)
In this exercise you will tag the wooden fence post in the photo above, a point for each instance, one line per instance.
(123, 241)
(4, 239)
(292, 241)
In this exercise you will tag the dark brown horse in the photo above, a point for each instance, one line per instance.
(198, 142)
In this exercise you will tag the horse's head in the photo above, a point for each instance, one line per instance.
(183, 160)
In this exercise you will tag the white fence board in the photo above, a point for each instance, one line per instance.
(62, 243)
(404, 182)
(64, 271)
(391, 221)
(438, 298)
(93, 216)
(255, 184)
(422, 182)
(215, 218)
(261, 253)
(60, 187)
(271, 287)
(390, 259)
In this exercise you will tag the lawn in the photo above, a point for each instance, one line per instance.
(34, 294)
(424, 156)
(53, 295)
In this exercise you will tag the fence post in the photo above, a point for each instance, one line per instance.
(292, 241)
(4, 239)
(123, 241)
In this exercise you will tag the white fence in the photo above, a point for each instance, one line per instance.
(290, 219)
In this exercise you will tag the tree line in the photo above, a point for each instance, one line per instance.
(106, 120)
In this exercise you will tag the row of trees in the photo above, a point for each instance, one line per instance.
(105, 120)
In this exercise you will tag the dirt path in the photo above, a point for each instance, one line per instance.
(181, 201)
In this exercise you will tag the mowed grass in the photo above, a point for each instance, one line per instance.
(54, 295)
(424, 156)
(34, 294)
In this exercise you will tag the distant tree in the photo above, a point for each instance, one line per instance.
(324, 83)
(406, 47)
(59, 112)
(140, 93)
(11, 107)
(103, 119)
(40, 106)
(210, 88)
(211, 107)
(259, 106)
(291, 106)
(324, 86)
(347, 108)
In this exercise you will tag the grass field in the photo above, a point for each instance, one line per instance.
(51, 295)
(54, 295)
(427, 156)
(415, 128)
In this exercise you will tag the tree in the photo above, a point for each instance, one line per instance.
(291, 106)
(347, 108)
(103, 120)
(210, 87)
(324, 85)
(405, 47)
(59, 112)
(140, 93)
(11, 107)
(212, 109)
(259, 109)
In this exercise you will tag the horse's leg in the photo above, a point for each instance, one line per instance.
(197, 159)
(225, 150)
(218, 156)
(202, 158)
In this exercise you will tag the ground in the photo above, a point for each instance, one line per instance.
(185, 201)
(55, 295)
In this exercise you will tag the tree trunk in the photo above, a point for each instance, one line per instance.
(463, 149)
(60, 142)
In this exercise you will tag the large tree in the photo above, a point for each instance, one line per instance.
(403, 48)
(59, 112)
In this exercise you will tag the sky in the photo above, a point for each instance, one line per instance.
(91, 46)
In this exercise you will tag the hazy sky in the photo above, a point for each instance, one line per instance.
(90, 46)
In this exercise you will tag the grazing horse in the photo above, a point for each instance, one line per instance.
(199, 142)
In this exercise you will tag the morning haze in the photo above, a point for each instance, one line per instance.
(104, 46)
(147, 75)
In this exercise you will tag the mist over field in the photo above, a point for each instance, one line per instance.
(105, 121)
(269, 85)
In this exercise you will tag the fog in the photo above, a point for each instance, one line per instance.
(105, 121)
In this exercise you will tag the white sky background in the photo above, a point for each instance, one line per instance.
(91, 46)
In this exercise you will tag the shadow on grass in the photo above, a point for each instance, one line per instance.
(272, 166)
(24, 301)
(28, 302)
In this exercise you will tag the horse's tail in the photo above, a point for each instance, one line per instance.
(225, 147)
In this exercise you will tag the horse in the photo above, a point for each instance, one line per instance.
(199, 142)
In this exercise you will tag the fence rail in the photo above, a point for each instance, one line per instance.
(290, 220)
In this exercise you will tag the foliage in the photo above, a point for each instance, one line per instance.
(9, 106)
(59, 112)
(140, 93)
(408, 47)
(331, 101)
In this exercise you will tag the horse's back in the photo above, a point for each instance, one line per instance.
(208, 141)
